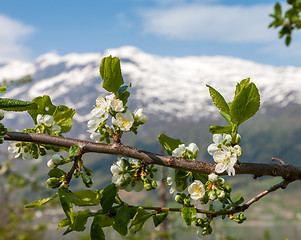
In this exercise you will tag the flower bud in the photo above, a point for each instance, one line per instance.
(53, 182)
(179, 198)
(87, 180)
(51, 164)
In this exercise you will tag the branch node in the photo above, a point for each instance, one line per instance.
(279, 160)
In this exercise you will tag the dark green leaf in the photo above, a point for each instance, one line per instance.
(16, 105)
(110, 72)
(108, 195)
(66, 203)
(56, 172)
(245, 104)
(168, 143)
(140, 218)
(123, 94)
(104, 220)
(80, 220)
(84, 198)
(159, 217)
(238, 201)
(220, 129)
(189, 215)
(122, 220)
(200, 176)
(218, 100)
(96, 232)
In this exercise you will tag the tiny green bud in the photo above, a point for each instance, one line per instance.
(227, 189)
(147, 186)
(88, 171)
(179, 198)
(154, 184)
(53, 182)
(51, 164)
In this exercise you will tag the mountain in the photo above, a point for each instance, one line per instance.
(167, 87)
(172, 91)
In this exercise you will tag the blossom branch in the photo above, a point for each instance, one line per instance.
(287, 171)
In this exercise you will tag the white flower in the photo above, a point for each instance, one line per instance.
(123, 120)
(193, 148)
(218, 141)
(225, 160)
(178, 152)
(212, 177)
(102, 106)
(212, 196)
(196, 190)
(95, 136)
(237, 150)
(116, 170)
(19, 150)
(116, 105)
(46, 119)
(94, 123)
(139, 116)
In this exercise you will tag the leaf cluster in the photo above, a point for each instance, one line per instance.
(287, 21)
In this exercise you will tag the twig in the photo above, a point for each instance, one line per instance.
(258, 169)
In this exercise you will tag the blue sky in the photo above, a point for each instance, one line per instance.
(31, 28)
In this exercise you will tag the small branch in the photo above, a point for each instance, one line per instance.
(74, 166)
(257, 169)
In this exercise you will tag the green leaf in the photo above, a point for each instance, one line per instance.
(16, 105)
(243, 83)
(238, 201)
(140, 218)
(73, 150)
(189, 215)
(123, 94)
(63, 116)
(56, 172)
(63, 223)
(42, 202)
(66, 203)
(80, 220)
(108, 196)
(245, 104)
(44, 107)
(200, 176)
(220, 129)
(218, 100)
(84, 198)
(110, 72)
(104, 220)
(2, 88)
(96, 232)
(159, 217)
(168, 143)
(122, 220)
(277, 9)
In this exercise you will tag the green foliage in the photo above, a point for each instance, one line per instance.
(245, 104)
(110, 72)
(122, 219)
(287, 21)
(62, 115)
(16, 105)
(107, 196)
(140, 218)
(40, 203)
(189, 214)
(66, 203)
(168, 143)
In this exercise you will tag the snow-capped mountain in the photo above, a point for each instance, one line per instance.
(166, 87)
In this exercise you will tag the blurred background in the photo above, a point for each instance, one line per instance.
(169, 51)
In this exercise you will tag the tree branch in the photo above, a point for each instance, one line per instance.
(286, 171)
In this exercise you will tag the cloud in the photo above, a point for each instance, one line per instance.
(218, 23)
(12, 36)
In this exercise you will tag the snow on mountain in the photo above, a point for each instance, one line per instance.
(166, 87)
